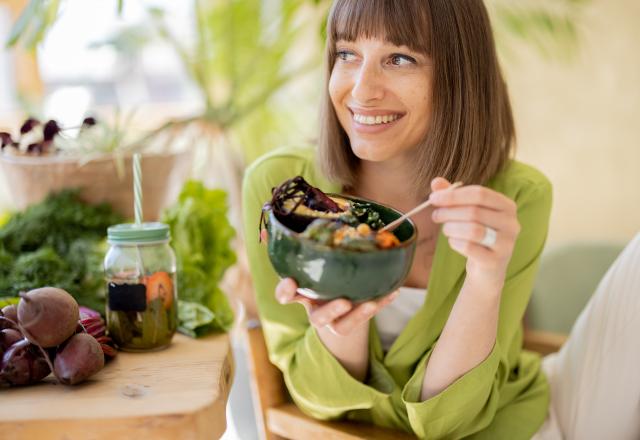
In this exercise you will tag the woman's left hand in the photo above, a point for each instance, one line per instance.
(480, 223)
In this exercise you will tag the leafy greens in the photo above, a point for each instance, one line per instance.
(201, 237)
(57, 242)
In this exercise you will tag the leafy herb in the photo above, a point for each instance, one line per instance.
(201, 236)
(362, 212)
(321, 230)
(58, 242)
(197, 320)
(58, 221)
(43, 267)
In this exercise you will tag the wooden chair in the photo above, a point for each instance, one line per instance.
(278, 417)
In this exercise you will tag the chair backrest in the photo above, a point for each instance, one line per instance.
(568, 276)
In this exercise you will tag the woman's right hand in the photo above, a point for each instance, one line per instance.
(341, 316)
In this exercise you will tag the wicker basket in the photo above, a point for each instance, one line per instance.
(102, 179)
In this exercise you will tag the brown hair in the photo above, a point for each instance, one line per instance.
(471, 134)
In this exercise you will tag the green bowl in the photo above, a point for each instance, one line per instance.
(327, 273)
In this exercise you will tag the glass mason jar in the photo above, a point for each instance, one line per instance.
(142, 300)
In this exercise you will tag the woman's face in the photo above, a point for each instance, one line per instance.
(382, 96)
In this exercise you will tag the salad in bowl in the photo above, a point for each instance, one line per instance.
(332, 245)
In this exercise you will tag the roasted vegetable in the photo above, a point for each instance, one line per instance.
(296, 204)
(330, 220)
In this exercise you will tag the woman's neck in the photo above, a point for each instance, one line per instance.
(389, 183)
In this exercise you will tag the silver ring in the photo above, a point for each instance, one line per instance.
(490, 237)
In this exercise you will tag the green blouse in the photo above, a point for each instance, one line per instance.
(505, 397)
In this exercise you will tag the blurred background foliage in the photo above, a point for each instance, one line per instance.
(246, 52)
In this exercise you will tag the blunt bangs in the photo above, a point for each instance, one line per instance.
(402, 23)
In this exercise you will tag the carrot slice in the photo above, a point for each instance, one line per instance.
(387, 240)
(160, 285)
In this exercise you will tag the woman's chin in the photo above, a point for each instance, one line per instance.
(372, 153)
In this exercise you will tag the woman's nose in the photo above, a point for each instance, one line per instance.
(368, 84)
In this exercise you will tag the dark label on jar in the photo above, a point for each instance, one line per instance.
(127, 297)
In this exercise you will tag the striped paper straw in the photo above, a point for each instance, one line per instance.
(137, 188)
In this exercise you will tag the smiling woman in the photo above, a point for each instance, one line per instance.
(426, 68)
(414, 99)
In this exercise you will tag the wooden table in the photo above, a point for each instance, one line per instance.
(177, 393)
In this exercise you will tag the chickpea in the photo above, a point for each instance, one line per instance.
(363, 229)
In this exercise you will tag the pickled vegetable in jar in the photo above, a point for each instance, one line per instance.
(142, 301)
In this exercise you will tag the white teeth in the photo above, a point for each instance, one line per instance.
(374, 120)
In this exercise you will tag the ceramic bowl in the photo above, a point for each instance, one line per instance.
(325, 273)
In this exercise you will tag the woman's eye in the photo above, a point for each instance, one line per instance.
(401, 60)
(345, 55)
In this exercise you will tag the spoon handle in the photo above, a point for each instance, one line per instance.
(394, 224)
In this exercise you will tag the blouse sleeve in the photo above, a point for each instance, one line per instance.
(316, 381)
(470, 404)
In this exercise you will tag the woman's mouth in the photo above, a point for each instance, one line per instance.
(375, 120)
(374, 123)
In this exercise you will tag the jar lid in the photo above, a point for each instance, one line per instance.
(131, 233)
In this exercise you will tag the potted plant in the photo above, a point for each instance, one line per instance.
(42, 157)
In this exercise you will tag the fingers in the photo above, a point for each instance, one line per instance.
(471, 250)
(439, 183)
(340, 315)
(464, 237)
(468, 231)
(287, 293)
(360, 315)
(386, 300)
(286, 290)
(320, 314)
(500, 221)
(329, 312)
(474, 195)
(466, 214)
(264, 235)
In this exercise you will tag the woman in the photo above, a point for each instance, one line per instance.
(415, 100)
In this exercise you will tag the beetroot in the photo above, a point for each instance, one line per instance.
(8, 337)
(78, 359)
(92, 323)
(10, 312)
(47, 316)
(8, 318)
(22, 364)
(45, 327)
